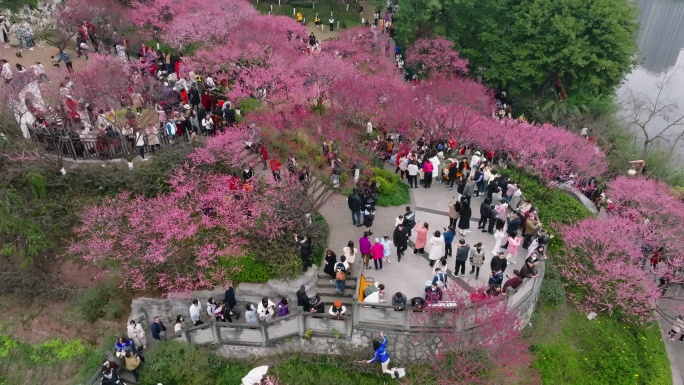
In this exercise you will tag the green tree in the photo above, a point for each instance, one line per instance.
(526, 45)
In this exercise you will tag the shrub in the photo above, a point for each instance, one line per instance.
(554, 205)
(90, 305)
(385, 187)
(392, 191)
(57, 350)
(552, 291)
(105, 301)
(245, 269)
(179, 363)
(320, 236)
(115, 309)
(148, 179)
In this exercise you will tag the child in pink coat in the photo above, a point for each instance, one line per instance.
(377, 252)
(513, 244)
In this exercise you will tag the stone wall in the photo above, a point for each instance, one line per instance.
(403, 347)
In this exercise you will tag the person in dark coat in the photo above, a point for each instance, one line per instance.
(330, 261)
(498, 263)
(316, 305)
(109, 377)
(503, 182)
(460, 185)
(355, 203)
(492, 187)
(194, 97)
(368, 218)
(409, 220)
(157, 328)
(304, 251)
(303, 299)
(492, 220)
(464, 218)
(229, 297)
(485, 210)
(400, 239)
(453, 170)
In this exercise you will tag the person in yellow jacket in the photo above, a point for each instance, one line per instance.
(300, 17)
(131, 363)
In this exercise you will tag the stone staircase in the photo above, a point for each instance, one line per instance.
(326, 290)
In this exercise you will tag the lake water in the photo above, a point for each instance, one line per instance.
(661, 51)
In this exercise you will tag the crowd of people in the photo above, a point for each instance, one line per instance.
(470, 173)
(190, 107)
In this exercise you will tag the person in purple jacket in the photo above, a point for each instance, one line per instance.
(382, 356)
(283, 308)
(365, 249)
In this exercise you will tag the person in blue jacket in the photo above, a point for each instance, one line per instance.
(382, 356)
(448, 240)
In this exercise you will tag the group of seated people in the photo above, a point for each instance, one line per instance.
(314, 304)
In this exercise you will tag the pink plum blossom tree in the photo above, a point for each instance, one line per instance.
(470, 337)
(436, 56)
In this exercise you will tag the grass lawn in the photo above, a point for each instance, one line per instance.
(570, 349)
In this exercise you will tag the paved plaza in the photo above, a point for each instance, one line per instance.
(409, 275)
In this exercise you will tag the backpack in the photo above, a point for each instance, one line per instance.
(341, 272)
(440, 279)
(341, 275)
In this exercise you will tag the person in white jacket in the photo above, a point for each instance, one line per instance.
(196, 313)
(266, 309)
(6, 71)
(435, 167)
(140, 143)
(208, 125)
(437, 250)
(677, 327)
(137, 334)
(475, 162)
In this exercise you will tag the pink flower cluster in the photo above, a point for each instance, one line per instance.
(174, 242)
(608, 260)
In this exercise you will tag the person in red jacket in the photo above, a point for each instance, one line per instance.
(657, 257)
(275, 168)
(206, 101)
(264, 155)
(427, 169)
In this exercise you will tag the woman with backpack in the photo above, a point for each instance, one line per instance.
(341, 271)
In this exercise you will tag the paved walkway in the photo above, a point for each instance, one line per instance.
(409, 275)
(675, 349)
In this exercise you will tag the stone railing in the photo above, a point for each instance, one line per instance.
(322, 333)
(524, 299)
(299, 324)
(361, 316)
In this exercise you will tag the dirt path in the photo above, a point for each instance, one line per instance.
(41, 53)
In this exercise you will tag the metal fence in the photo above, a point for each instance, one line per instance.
(99, 146)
